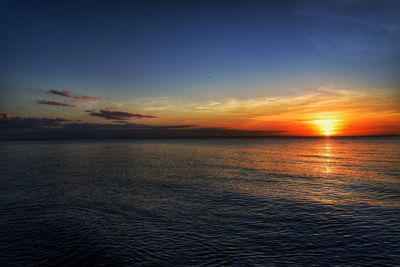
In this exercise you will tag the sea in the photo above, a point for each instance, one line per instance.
(201, 202)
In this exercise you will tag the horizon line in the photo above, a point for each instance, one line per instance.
(197, 137)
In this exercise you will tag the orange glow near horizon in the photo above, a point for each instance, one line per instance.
(324, 111)
(326, 127)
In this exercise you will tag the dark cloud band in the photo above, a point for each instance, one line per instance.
(117, 115)
(70, 94)
(54, 103)
(24, 128)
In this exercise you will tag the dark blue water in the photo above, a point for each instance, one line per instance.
(241, 202)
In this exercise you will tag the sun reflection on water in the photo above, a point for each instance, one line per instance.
(328, 154)
(326, 171)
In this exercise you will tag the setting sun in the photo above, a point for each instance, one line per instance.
(326, 127)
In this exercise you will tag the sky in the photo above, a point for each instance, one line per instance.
(199, 68)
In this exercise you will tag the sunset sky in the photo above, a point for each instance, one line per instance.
(199, 68)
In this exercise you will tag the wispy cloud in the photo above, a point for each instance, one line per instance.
(60, 93)
(322, 99)
(54, 103)
(287, 113)
(117, 115)
(346, 30)
(66, 93)
(85, 97)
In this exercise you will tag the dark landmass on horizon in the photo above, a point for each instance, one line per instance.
(35, 128)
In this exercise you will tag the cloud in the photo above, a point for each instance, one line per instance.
(322, 99)
(10, 123)
(117, 115)
(290, 112)
(70, 94)
(54, 103)
(348, 30)
(61, 93)
(33, 128)
(5, 116)
(85, 97)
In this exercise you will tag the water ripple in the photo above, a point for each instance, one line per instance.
(202, 203)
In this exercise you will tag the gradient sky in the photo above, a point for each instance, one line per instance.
(283, 67)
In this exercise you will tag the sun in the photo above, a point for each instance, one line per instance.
(326, 127)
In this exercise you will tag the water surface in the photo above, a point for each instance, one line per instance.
(241, 202)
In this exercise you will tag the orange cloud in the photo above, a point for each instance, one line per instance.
(339, 111)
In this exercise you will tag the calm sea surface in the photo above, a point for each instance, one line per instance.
(241, 202)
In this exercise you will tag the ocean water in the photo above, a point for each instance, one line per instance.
(202, 202)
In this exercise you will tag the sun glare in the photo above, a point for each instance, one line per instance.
(326, 127)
